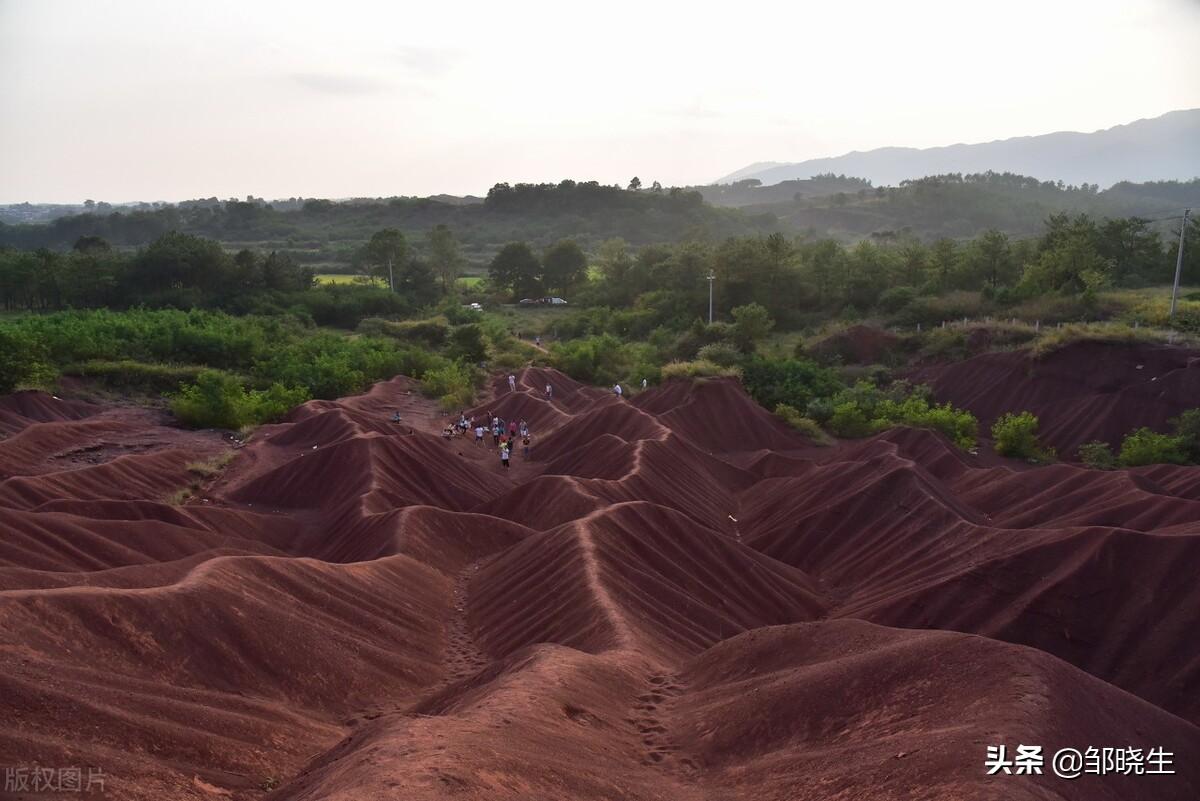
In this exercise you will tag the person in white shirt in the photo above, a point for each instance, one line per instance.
(643, 383)
(617, 390)
(512, 383)
(549, 391)
(478, 435)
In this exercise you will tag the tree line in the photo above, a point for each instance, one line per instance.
(182, 270)
(794, 277)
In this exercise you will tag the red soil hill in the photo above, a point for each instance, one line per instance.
(675, 597)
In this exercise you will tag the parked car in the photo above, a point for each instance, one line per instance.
(475, 306)
(555, 301)
(528, 301)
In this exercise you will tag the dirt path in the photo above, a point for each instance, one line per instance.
(462, 657)
(651, 718)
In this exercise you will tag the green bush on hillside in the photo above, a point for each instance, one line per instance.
(795, 382)
(719, 353)
(218, 400)
(453, 384)
(1015, 435)
(466, 344)
(916, 411)
(850, 421)
(697, 369)
(20, 359)
(1097, 455)
(431, 331)
(1187, 431)
(1143, 447)
(144, 376)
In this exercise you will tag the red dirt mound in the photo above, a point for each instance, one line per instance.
(22, 409)
(627, 575)
(844, 709)
(717, 416)
(676, 597)
(858, 344)
(381, 471)
(1082, 392)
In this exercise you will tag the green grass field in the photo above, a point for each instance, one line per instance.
(340, 278)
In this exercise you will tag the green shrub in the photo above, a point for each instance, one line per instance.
(932, 310)
(915, 411)
(1187, 431)
(820, 409)
(605, 360)
(943, 344)
(274, 402)
(453, 384)
(1053, 339)
(795, 382)
(897, 298)
(698, 369)
(752, 323)
(1143, 446)
(805, 425)
(20, 359)
(1097, 455)
(331, 366)
(145, 376)
(1015, 435)
(719, 353)
(850, 421)
(466, 344)
(648, 370)
(431, 331)
(218, 400)
(346, 305)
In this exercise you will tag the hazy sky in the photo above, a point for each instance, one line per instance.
(168, 100)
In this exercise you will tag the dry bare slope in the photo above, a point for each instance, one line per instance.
(673, 598)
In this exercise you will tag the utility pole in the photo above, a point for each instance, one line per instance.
(711, 277)
(1178, 264)
(391, 280)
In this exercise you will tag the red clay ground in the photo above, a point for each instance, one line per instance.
(675, 598)
(1084, 391)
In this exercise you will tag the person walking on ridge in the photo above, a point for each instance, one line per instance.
(504, 457)
(512, 383)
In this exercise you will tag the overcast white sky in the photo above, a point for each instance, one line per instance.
(167, 100)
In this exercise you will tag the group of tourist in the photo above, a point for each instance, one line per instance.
(506, 434)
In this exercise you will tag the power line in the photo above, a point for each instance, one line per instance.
(1178, 263)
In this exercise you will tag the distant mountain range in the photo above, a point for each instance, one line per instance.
(1162, 148)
